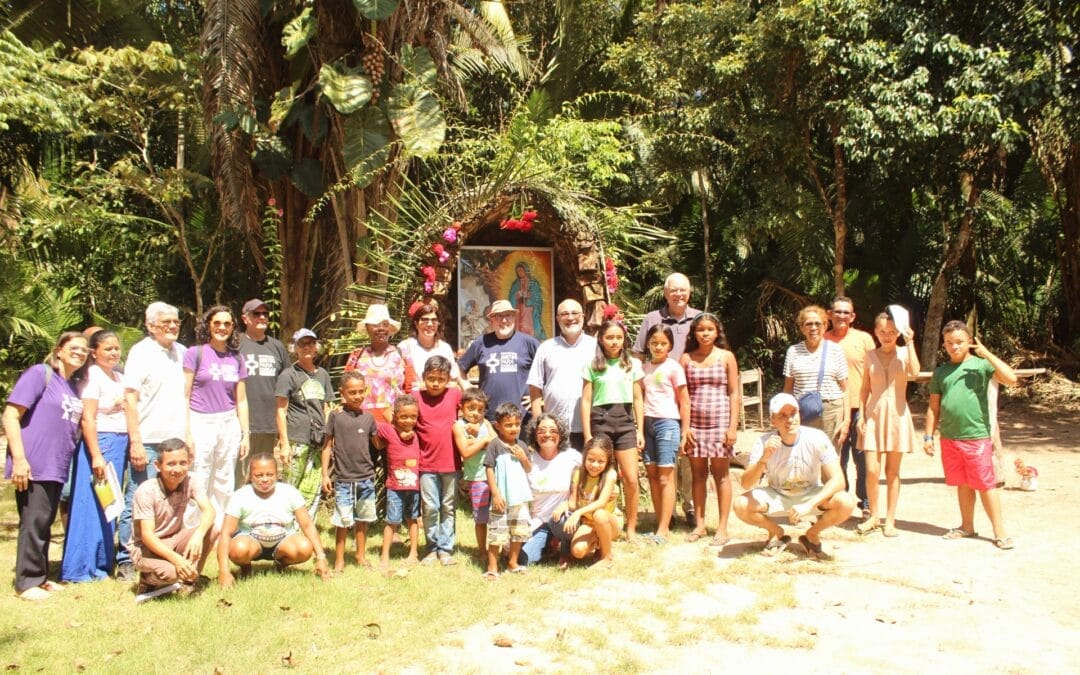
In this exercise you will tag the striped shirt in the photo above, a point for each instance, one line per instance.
(803, 366)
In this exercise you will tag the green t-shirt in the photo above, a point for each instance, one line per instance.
(614, 385)
(965, 413)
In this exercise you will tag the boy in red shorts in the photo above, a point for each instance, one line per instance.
(958, 403)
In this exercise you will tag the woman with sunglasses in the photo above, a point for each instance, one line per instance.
(217, 429)
(815, 366)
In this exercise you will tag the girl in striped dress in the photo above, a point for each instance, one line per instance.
(712, 380)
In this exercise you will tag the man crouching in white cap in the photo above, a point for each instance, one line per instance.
(793, 460)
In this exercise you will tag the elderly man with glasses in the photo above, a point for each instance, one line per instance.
(504, 357)
(265, 357)
(555, 377)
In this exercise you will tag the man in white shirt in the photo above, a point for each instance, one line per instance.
(555, 375)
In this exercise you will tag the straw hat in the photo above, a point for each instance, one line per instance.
(376, 314)
(500, 307)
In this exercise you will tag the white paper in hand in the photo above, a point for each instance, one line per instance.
(900, 317)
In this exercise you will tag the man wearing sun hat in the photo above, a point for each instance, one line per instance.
(793, 460)
(265, 358)
(504, 357)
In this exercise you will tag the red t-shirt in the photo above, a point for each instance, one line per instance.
(435, 428)
(402, 459)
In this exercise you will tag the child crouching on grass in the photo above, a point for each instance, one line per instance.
(169, 555)
(472, 434)
(349, 433)
(267, 520)
(958, 404)
(402, 475)
(508, 466)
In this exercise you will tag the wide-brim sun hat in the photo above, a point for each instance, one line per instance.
(376, 314)
(500, 307)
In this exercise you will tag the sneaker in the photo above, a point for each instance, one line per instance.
(430, 559)
(691, 520)
(125, 572)
(150, 592)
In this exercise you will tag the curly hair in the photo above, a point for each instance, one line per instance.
(560, 427)
(801, 316)
(202, 328)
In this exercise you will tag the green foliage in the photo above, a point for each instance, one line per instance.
(346, 88)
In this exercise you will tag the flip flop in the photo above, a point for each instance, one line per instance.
(1004, 543)
(813, 550)
(776, 545)
(958, 533)
(890, 531)
(518, 570)
(868, 526)
(489, 576)
(719, 542)
(694, 536)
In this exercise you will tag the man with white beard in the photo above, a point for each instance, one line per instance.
(504, 357)
(555, 376)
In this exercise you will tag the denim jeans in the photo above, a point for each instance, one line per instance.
(533, 550)
(134, 479)
(438, 493)
(849, 451)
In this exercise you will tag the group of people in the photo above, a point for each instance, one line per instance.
(227, 441)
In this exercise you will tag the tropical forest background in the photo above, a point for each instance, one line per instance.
(308, 152)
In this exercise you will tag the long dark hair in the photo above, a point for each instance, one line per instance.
(603, 443)
(202, 328)
(599, 363)
(691, 339)
(659, 328)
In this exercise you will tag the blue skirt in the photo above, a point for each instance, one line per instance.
(90, 542)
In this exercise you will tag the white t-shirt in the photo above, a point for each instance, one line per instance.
(158, 375)
(109, 394)
(266, 520)
(794, 470)
(550, 483)
(556, 371)
(416, 355)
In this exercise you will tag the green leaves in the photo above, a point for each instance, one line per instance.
(417, 118)
(298, 33)
(346, 88)
(375, 9)
(366, 145)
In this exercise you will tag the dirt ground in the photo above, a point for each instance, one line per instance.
(915, 603)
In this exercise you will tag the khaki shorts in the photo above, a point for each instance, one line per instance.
(779, 504)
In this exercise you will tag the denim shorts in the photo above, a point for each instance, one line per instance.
(355, 502)
(662, 440)
(480, 498)
(402, 505)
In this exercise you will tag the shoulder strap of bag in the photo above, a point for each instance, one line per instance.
(821, 368)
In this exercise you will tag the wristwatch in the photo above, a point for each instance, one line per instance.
(927, 438)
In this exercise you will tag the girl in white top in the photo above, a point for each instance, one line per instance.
(667, 421)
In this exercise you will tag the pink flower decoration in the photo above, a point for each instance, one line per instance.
(429, 286)
(443, 257)
(271, 202)
(450, 234)
(456, 225)
(280, 212)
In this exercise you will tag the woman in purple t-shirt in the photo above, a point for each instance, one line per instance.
(217, 428)
(41, 421)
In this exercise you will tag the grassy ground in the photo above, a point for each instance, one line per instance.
(364, 621)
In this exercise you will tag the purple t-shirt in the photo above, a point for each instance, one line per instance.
(50, 425)
(214, 387)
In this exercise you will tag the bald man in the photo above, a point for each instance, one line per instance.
(555, 376)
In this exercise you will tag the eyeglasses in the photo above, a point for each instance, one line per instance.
(168, 322)
(428, 319)
(78, 350)
(222, 324)
(842, 312)
(813, 323)
(260, 313)
(567, 315)
(505, 316)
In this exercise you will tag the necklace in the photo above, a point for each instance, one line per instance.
(374, 361)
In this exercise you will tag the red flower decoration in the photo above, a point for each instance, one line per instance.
(429, 273)
(271, 202)
(610, 275)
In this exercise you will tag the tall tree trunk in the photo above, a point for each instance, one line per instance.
(1070, 245)
(956, 246)
(835, 207)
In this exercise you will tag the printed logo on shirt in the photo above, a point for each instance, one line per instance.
(226, 372)
(261, 365)
(72, 408)
(502, 362)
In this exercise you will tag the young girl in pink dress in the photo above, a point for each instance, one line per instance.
(712, 379)
(885, 427)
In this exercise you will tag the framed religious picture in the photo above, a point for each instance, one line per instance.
(521, 275)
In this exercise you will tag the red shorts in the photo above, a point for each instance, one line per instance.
(969, 462)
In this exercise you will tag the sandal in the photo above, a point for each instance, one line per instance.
(53, 587)
(1004, 543)
(890, 531)
(719, 542)
(868, 526)
(694, 536)
(813, 550)
(776, 545)
(489, 576)
(958, 533)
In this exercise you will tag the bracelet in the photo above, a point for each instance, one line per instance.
(927, 438)
(321, 556)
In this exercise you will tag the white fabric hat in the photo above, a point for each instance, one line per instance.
(376, 314)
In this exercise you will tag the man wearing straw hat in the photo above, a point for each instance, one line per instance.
(503, 356)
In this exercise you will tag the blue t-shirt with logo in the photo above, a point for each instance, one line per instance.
(504, 366)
